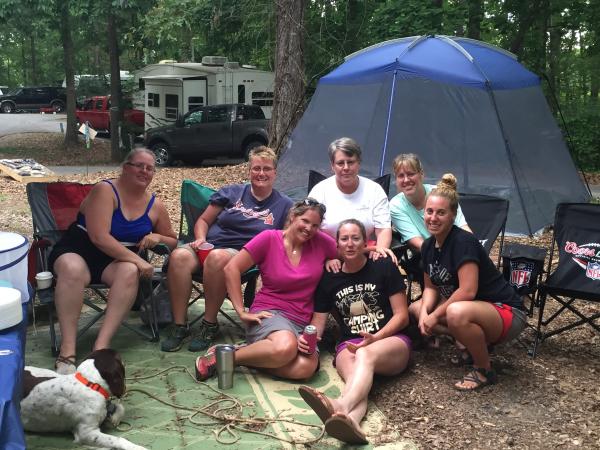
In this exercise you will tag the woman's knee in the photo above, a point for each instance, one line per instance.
(217, 259)
(304, 368)
(457, 315)
(72, 268)
(181, 259)
(285, 348)
(127, 273)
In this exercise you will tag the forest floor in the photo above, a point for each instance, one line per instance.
(552, 401)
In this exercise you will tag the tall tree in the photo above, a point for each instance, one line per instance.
(64, 17)
(116, 113)
(289, 70)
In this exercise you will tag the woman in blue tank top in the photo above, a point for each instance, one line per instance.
(117, 219)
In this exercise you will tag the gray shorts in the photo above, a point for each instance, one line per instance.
(268, 325)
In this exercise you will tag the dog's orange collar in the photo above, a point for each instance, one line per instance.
(93, 386)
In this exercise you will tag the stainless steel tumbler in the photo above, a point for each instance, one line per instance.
(225, 356)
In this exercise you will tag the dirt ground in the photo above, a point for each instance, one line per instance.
(552, 401)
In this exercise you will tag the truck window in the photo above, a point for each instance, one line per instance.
(195, 102)
(89, 104)
(153, 100)
(194, 117)
(262, 98)
(99, 104)
(216, 114)
(241, 93)
(171, 106)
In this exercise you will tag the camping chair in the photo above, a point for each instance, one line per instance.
(410, 263)
(522, 267)
(194, 200)
(315, 177)
(54, 206)
(486, 216)
(576, 277)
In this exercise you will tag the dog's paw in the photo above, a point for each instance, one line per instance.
(115, 413)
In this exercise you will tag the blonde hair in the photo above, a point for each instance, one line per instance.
(408, 159)
(137, 150)
(446, 188)
(262, 151)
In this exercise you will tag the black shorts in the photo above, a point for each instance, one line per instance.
(76, 240)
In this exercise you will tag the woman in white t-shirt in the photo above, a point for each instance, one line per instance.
(350, 196)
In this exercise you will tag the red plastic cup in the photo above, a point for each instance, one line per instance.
(203, 250)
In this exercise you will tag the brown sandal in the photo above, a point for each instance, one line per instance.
(318, 401)
(65, 365)
(341, 427)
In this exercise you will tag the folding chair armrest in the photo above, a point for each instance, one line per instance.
(161, 249)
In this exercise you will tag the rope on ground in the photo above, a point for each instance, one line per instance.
(229, 422)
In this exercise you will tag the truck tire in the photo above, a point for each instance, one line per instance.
(7, 107)
(163, 154)
(249, 146)
(58, 106)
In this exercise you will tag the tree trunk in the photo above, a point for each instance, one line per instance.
(34, 70)
(475, 12)
(289, 70)
(67, 42)
(525, 20)
(115, 87)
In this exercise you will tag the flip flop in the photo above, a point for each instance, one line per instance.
(342, 428)
(319, 403)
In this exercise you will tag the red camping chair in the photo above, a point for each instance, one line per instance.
(54, 206)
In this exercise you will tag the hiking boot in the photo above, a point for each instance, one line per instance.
(205, 337)
(179, 334)
(206, 367)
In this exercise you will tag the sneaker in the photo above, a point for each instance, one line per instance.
(179, 334)
(205, 337)
(206, 367)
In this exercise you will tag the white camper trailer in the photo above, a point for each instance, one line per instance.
(172, 89)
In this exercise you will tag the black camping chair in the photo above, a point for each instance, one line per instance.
(410, 262)
(576, 277)
(54, 207)
(486, 216)
(315, 177)
(522, 267)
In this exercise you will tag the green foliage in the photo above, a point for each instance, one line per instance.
(584, 128)
(560, 38)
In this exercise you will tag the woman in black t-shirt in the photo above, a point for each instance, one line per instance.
(368, 300)
(476, 305)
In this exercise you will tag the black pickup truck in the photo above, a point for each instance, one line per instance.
(209, 131)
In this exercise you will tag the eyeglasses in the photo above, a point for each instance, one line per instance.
(142, 166)
(258, 169)
(309, 201)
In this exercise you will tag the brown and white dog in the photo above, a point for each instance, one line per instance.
(78, 402)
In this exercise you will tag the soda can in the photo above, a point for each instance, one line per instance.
(310, 336)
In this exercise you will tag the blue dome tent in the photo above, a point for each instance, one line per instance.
(463, 106)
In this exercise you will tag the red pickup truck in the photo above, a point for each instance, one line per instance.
(96, 111)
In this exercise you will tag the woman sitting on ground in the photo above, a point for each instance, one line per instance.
(236, 214)
(477, 305)
(407, 208)
(368, 300)
(115, 220)
(291, 263)
(350, 196)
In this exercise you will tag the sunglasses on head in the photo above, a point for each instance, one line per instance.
(309, 201)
